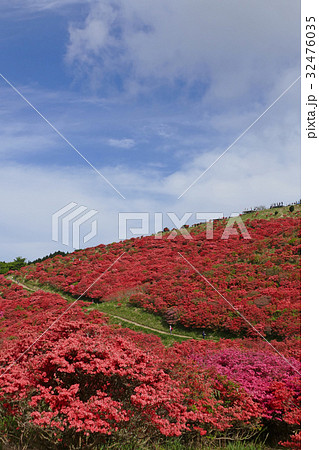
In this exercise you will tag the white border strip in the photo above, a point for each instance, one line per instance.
(310, 246)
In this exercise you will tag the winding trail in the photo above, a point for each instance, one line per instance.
(24, 285)
(28, 288)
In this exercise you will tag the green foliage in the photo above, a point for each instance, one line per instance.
(13, 265)
(51, 255)
(19, 262)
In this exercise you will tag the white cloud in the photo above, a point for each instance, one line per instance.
(94, 36)
(38, 5)
(121, 143)
(18, 139)
(263, 167)
(234, 48)
(248, 177)
(33, 194)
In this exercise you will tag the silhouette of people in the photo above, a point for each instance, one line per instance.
(204, 334)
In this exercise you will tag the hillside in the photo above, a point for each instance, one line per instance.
(259, 276)
(73, 379)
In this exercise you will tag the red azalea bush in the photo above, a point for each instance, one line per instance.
(294, 442)
(91, 384)
(83, 382)
(260, 277)
(80, 380)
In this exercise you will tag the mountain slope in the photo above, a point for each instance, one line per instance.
(209, 283)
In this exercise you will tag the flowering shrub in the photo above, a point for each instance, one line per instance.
(294, 442)
(268, 379)
(93, 382)
(85, 383)
(83, 380)
(259, 277)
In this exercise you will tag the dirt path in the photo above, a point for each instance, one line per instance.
(24, 285)
(91, 309)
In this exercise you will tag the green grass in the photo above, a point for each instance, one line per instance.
(121, 307)
(266, 214)
(200, 444)
(171, 444)
(271, 213)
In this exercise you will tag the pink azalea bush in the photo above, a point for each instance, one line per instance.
(257, 372)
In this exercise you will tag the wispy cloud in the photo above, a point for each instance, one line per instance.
(261, 169)
(38, 5)
(121, 143)
(183, 44)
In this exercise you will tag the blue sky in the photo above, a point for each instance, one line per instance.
(151, 92)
